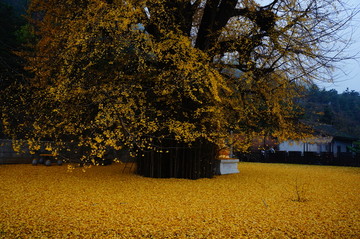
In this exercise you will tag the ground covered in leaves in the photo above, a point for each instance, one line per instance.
(262, 201)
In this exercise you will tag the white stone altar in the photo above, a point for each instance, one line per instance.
(227, 166)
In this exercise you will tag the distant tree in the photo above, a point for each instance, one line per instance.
(15, 33)
(328, 115)
(18, 7)
(355, 148)
(328, 107)
(132, 73)
(11, 65)
(8, 43)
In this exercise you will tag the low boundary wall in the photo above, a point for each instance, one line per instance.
(297, 157)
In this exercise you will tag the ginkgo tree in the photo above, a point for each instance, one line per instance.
(135, 73)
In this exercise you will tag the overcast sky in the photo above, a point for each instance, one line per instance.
(348, 76)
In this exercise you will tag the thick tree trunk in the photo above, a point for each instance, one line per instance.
(179, 161)
(216, 15)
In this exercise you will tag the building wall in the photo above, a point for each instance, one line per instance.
(340, 145)
(8, 155)
(298, 146)
(72, 154)
(291, 146)
(311, 147)
(334, 146)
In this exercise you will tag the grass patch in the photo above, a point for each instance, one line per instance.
(262, 201)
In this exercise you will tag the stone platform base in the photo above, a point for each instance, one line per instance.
(227, 166)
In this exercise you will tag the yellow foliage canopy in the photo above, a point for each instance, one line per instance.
(122, 73)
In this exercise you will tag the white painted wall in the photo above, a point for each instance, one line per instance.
(291, 145)
(314, 147)
(342, 145)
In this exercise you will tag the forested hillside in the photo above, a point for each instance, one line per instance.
(342, 110)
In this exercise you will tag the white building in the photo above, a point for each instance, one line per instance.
(327, 140)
